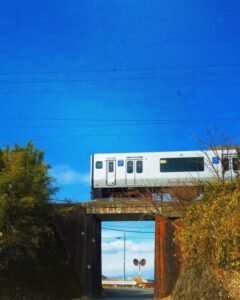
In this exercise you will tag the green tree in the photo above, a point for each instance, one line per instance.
(33, 256)
(25, 196)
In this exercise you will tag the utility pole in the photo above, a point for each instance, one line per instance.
(124, 254)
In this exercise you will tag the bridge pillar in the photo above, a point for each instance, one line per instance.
(166, 257)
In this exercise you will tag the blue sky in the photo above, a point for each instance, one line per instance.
(81, 77)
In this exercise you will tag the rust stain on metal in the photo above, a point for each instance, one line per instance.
(160, 261)
(166, 257)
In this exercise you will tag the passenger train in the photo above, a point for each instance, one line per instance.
(115, 174)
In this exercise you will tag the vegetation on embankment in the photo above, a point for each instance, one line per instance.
(33, 262)
(210, 245)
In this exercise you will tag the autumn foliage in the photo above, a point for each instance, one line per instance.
(210, 243)
(212, 226)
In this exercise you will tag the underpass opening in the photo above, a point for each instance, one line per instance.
(123, 243)
(165, 215)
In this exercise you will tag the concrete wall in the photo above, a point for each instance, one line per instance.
(81, 234)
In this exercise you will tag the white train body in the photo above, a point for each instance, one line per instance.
(116, 172)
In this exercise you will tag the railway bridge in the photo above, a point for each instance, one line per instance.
(81, 231)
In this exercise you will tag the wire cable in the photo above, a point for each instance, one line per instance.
(119, 69)
(118, 79)
(122, 121)
(121, 230)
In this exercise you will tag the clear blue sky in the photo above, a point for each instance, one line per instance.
(188, 50)
(75, 74)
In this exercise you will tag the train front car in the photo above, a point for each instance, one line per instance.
(126, 174)
(116, 175)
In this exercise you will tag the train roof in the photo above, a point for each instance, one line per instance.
(165, 152)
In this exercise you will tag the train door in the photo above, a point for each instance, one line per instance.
(111, 172)
(138, 172)
(229, 164)
(130, 172)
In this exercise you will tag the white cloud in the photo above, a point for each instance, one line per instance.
(112, 258)
(65, 174)
(132, 247)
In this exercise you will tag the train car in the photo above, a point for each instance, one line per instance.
(120, 174)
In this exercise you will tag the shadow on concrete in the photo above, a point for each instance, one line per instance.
(127, 293)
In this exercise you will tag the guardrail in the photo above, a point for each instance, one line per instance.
(132, 283)
(119, 283)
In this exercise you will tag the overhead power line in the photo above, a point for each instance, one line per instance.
(155, 134)
(130, 238)
(115, 124)
(117, 79)
(133, 225)
(109, 135)
(183, 134)
(120, 121)
(79, 89)
(114, 229)
(121, 69)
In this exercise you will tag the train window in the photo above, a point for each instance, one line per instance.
(130, 166)
(99, 164)
(225, 164)
(110, 167)
(139, 166)
(236, 164)
(182, 164)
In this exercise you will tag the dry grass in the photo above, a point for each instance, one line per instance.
(231, 282)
